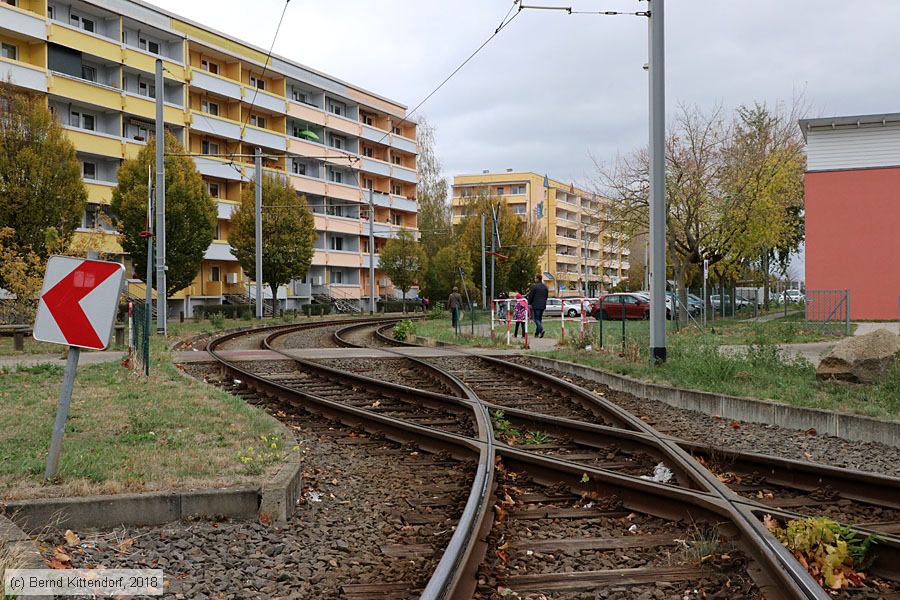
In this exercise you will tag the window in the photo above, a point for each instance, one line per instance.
(500, 190)
(257, 121)
(299, 96)
(367, 119)
(396, 131)
(336, 107)
(91, 219)
(51, 12)
(152, 47)
(208, 147)
(89, 170)
(337, 141)
(209, 67)
(337, 277)
(395, 158)
(517, 189)
(89, 73)
(369, 183)
(214, 274)
(396, 189)
(396, 218)
(337, 243)
(213, 189)
(335, 176)
(369, 152)
(83, 22)
(209, 107)
(146, 89)
(518, 209)
(298, 168)
(9, 51)
(257, 83)
(218, 231)
(81, 120)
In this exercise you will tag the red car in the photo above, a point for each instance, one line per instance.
(610, 306)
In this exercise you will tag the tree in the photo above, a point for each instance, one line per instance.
(40, 182)
(442, 273)
(289, 232)
(403, 259)
(521, 242)
(434, 220)
(190, 213)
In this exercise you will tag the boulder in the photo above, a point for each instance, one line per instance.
(861, 359)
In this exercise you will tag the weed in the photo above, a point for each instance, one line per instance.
(403, 330)
(537, 437)
(503, 429)
(12, 556)
(217, 320)
(834, 555)
(256, 459)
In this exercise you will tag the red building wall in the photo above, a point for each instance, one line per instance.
(853, 238)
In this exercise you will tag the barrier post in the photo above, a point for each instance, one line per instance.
(507, 322)
(526, 326)
(493, 308)
(562, 320)
(583, 317)
(622, 300)
(601, 323)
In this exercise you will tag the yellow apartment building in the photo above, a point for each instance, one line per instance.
(94, 62)
(583, 253)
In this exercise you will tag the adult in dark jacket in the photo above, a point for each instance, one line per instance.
(537, 301)
(454, 303)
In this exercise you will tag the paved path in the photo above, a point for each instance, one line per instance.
(771, 317)
(86, 358)
(864, 328)
(811, 351)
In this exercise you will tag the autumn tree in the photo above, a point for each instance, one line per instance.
(434, 218)
(288, 231)
(404, 260)
(190, 212)
(42, 196)
(520, 241)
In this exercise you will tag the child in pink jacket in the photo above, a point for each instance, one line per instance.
(519, 313)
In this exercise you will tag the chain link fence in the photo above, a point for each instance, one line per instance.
(830, 309)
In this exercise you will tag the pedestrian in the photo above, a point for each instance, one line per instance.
(502, 305)
(537, 300)
(454, 303)
(519, 313)
(426, 304)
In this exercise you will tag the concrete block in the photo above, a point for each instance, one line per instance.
(866, 429)
(235, 503)
(278, 498)
(704, 402)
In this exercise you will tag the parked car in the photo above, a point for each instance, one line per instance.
(611, 306)
(554, 307)
(694, 306)
(572, 306)
(793, 296)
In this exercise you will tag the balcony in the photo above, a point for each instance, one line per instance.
(225, 209)
(22, 21)
(145, 107)
(216, 84)
(405, 144)
(373, 134)
(99, 192)
(146, 61)
(85, 41)
(342, 124)
(378, 167)
(264, 137)
(401, 203)
(306, 112)
(94, 142)
(219, 251)
(307, 148)
(22, 74)
(217, 126)
(404, 174)
(218, 168)
(344, 225)
(265, 100)
(92, 93)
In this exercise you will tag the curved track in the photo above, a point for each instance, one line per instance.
(574, 455)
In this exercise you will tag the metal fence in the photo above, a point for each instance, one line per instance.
(140, 326)
(829, 308)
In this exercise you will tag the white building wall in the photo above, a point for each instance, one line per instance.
(852, 147)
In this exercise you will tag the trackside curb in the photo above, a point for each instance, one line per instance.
(851, 427)
(17, 541)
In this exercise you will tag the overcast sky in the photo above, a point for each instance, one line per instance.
(552, 89)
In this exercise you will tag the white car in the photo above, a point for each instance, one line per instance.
(793, 296)
(572, 307)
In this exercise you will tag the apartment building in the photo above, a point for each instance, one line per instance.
(94, 62)
(584, 254)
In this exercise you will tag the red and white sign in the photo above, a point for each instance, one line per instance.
(78, 302)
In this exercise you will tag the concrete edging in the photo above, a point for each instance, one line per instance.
(16, 540)
(851, 427)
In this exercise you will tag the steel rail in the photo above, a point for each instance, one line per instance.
(713, 499)
(783, 569)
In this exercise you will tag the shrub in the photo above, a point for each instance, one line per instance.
(397, 305)
(316, 309)
(228, 311)
(403, 330)
(217, 320)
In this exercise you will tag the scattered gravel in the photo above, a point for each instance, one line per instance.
(751, 437)
(384, 514)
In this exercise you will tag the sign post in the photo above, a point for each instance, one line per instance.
(705, 299)
(77, 309)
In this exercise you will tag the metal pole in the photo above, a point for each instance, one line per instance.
(62, 413)
(657, 184)
(148, 302)
(160, 205)
(371, 253)
(705, 299)
(259, 250)
(483, 267)
(495, 233)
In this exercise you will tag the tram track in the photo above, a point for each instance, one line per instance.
(587, 446)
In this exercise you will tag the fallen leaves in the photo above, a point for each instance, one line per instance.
(72, 538)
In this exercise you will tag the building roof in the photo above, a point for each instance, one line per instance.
(849, 122)
(480, 178)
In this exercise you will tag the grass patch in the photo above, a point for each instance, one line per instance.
(31, 347)
(126, 432)
(693, 362)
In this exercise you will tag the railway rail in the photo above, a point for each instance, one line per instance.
(581, 469)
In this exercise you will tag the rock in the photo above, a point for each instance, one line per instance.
(861, 359)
